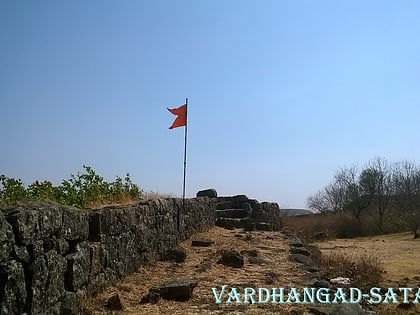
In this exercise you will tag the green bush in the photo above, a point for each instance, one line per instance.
(11, 190)
(80, 190)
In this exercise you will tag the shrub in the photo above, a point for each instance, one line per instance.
(81, 190)
(364, 271)
(331, 225)
(11, 190)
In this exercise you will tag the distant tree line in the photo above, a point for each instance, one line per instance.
(386, 192)
(80, 190)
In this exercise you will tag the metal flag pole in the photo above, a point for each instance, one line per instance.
(185, 166)
(185, 148)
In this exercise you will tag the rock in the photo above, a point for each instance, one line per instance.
(211, 193)
(22, 253)
(6, 238)
(347, 309)
(311, 268)
(176, 290)
(75, 224)
(271, 277)
(249, 226)
(340, 281)
(240, 199)
(295, 242)
(204, 265)
(300, 250)
(203, 242)
(317, 311)
(35, 221)
(232, 258)
(56, 266)
(337, 309)
(70, 304)
(48, 273)
(310, 278)
(152, 297)
(78, 264)
(177, 254)
(114, 303)
(231, 223)
(232, 213)
(263, 226)
(303, 259)
(13, 293)
(321, 284)
(258, 261)
(62, 246)
(223, 205)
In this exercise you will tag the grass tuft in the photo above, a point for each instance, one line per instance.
(364, 271)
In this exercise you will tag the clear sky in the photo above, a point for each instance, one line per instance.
(281, 93)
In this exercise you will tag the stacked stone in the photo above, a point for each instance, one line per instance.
(51, 255)
(44, 258)
(241, 212)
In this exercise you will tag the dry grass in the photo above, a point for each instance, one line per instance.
(332, 225)
(277, 271)
(398, 255)
(126, 201)
(364, 271)
(157, 195)
(122, 202)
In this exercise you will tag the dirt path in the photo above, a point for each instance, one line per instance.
(273, 270)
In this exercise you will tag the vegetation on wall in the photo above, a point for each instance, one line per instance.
(82, 190)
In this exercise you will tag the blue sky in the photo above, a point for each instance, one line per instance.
(281, 93)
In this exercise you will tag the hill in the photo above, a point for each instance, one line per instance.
(295, 212)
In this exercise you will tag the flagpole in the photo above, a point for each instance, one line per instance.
(185, 148)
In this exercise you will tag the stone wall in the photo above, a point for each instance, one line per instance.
(241, 212)
(51, 255)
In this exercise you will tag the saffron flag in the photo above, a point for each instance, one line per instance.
(181, 116)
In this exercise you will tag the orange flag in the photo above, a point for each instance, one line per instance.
(181, 116)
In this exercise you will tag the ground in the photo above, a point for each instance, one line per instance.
(400, 255)
(275, 271)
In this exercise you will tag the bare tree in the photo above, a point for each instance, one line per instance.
(356, 200)
(318, 202)
(333, 198)
(406, 183)
(376, 187)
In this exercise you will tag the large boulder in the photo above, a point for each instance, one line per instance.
(176, 290)
(211, 193)
(232, 258)
(177, 254)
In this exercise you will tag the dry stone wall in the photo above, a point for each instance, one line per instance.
(241, 212)
(52, 255)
